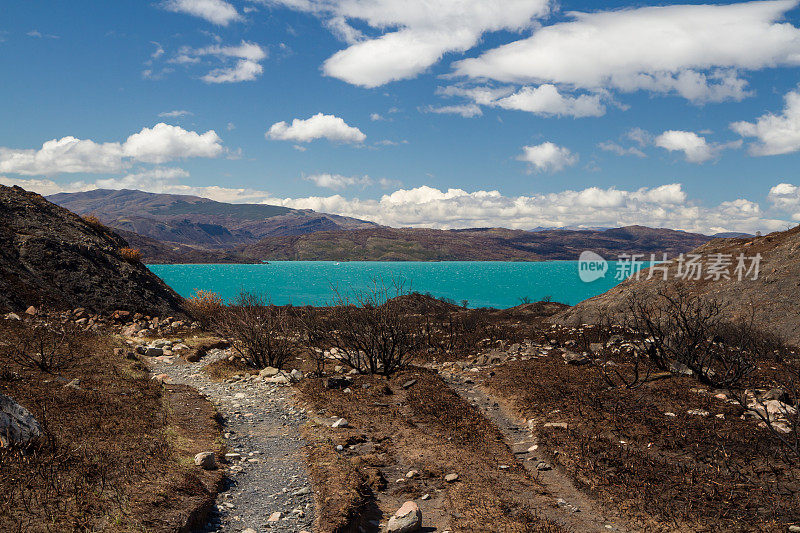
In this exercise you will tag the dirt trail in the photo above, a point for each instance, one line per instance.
(565, 504)
(260, 425)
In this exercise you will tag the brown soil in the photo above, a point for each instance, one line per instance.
(118, 452)
(666, 473)
(427, 428)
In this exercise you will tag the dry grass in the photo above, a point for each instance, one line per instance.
(687, 472)
(132, 255)
(108, 458)
(431, 429)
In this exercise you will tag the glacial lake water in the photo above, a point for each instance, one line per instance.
(481, 283)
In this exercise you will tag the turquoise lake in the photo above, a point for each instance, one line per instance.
(481, 283)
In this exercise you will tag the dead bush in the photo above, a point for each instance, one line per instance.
(204, 306)
(259, 331)
(678, 328)
(44, 348)
(132, 255)
(371, 332)
(94, 222)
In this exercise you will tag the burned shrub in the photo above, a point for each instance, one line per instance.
(259, 331)
(44, 348)
(371, 332)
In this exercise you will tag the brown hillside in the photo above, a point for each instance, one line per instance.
(50, 256)
(774, 295)
(486, 244)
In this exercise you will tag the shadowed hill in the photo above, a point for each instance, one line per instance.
(50, 256)
(486, 244)
(774, 295)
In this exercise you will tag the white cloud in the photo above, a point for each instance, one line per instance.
(786, 197)
(68, 154)
(319, 126)
(664, 206)
(175, 114)
(158, 180)
(375, 117)
(547, 100)
(337, 181)
(776, 134)
(217, 12)
(692, 50)
(417, 32)
(615, 148)
(548, 157)
(695, 148)
(466, 110)
(159, 144)
(165, 143)
(240, 63)
(544, 100)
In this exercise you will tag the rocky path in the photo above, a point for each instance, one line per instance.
(566, 505)
(267, 486)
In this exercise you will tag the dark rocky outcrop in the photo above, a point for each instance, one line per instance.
(18, 427)
(51, 257)
(773, 298)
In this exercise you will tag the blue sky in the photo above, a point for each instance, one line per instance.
(458, 113)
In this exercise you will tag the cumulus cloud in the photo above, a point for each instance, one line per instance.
(786, 197)
(240, 63)
(337, 181)
(217, 12)
(319, 126)
(548, 157)
(544, 100)
(695, 148)
(416, 33)
(695, 51)
(776, 134)
(163, 143)
(547, 100)
(158, 180)
(158, 144)
(664, 206)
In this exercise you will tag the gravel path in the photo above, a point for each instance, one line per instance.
(261, 424)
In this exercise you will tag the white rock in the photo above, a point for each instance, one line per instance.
(407, 519)
(341, 423)
(205, 460)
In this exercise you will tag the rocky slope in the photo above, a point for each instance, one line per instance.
(169, 253)
(493, 244)
(196, 221)
(774, 295)
(52, 257)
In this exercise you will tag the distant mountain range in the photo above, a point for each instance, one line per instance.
(195, 221)
(171, 228)
(486, 244)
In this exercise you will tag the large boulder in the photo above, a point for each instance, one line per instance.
(18, 427)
